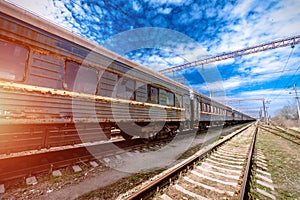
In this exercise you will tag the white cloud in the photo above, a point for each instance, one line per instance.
(242, 8)
(169, 2)
(229, 84)
(263, 26)
(164, 10)
(135, 6)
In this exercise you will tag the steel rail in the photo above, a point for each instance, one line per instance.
(295, 133)
(293, 130)
(248, 167)
(266, 129)
(149, 189)
(289, 131)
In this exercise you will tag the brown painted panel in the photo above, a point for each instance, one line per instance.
(45, 70)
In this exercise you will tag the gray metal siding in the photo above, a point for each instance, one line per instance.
(45, 70)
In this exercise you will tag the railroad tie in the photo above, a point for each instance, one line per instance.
(263, 192)
(207, 186)
(218, 173)
(238, 172)
(165, 197)
(234, 184)
(192, 194)
(263, 177)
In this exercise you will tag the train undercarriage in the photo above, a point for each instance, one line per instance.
(24, 137)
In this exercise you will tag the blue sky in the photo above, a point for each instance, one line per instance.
(213, 27)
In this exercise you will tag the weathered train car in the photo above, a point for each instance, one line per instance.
(213, 113)
(208, 112)
(54, 85)
(57, 88)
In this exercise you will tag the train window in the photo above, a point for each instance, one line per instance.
(126, 88)
(107, 83)
(170, 99)
(178, 100)
(205, 107)
(80, 79)
(13, 61)
(153, 94)
(141, 92)
(162, 97)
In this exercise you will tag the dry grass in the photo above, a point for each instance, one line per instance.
(288, 123)
(283, 163)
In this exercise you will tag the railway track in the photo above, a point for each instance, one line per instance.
(292, 136)
(219, 172)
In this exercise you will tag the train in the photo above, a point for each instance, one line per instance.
(57, 88)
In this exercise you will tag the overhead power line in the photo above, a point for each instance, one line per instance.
(239, 100)
(290, 41)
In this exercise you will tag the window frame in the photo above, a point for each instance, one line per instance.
(150, 94)
(25, 67)
(65, 86)
(99, 89)
(173, 98)
(121, 79)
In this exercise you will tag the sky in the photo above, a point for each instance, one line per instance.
(164, 33)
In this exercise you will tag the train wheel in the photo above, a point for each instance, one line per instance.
(148, 137)
(126, 136)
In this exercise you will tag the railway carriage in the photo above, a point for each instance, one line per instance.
(57, 88)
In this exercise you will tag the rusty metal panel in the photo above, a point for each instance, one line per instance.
(45, 70)
(141, 92)
(107, 84)
(26, 105)
(32, 136)
(20, 138)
